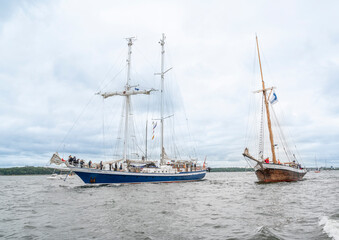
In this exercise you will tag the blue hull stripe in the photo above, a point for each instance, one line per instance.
(102, 176)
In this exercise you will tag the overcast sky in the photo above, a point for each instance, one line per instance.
(54, 55)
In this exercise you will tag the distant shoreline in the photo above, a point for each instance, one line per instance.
(232, 169)
(30, 170)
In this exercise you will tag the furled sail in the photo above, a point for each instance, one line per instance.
(56, 159)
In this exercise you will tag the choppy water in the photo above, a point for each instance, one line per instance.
(223, 206)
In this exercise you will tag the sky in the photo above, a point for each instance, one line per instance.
(55, 55)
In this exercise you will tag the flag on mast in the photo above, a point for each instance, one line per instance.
(274, 98)
(154, 126)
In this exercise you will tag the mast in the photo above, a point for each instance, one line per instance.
(162, 118)
(127, 102)
(146, 141)
(129, 91)
(162, 43)
(267, 107)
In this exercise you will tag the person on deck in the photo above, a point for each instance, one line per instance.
(115, 167)
(70, 159)
(89, 164)
(81, 163)
(101, 165)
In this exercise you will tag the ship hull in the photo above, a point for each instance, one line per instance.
(278, 173)
(96, 176)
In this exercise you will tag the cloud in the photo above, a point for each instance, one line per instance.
(56, 55)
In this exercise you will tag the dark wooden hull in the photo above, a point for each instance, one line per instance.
(270, 172)
(267, 175)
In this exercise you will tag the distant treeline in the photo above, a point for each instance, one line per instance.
(232, 169)
(323, 168)
(44, 171)
(239, 169)
(26, 171)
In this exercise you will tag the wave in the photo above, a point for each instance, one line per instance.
(330, 227)
(264, 233)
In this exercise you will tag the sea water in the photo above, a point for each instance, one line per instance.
(223, 206)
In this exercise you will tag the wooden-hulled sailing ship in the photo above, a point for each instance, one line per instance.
(266, 170)
(129, 170)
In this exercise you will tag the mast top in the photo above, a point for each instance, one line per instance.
(131, 40)
(129, 90)
(162, 41)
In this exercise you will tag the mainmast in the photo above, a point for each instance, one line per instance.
(267, 107)
(162, 118)
(162, 43)
(129, 90)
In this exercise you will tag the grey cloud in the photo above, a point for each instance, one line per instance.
(55, 56)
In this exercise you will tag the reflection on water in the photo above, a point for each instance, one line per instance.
(223, 206)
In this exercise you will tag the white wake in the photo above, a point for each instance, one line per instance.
(330, 227)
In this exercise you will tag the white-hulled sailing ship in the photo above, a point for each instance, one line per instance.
(275, 170)
(126, 169)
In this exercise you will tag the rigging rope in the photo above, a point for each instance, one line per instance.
(76, 121)
(91, 99)
(103, 127)
(261, 136)
(284, 142)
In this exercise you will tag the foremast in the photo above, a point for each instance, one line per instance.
(162, 43)
(264, 91)
(129, 91)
